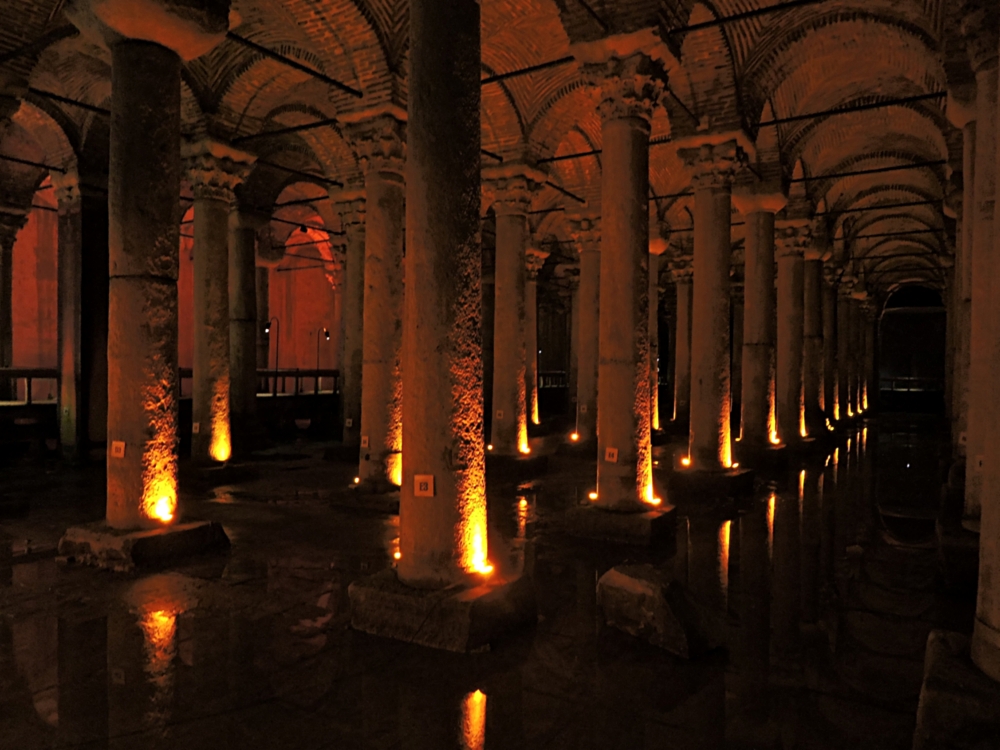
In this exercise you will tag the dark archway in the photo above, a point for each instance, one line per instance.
(911, 354)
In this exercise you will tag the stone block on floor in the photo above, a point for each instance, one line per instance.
(959, 706)
(114, 549)
(644, 602)
(459, 619)
(655, 526)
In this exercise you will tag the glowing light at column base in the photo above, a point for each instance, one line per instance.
(864, 397)
(685, 460)
(394, 468)
(771, 501)
(474, 721)
(726, 446)
(592, 495)
(803, 430)
(724, 558)
(220, 448)
(574, 436)
(160, 498)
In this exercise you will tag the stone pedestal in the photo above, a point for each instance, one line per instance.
(648, 528)
(587, 232)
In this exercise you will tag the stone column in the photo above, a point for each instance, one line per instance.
(214, 169)
(587, 233)
(263, 286)
(812, 345)
(868, 387)
(792, 239)
(736, 350)
(535, 259)
(758, 320)
(380, 144)
(713, 168)
(655, 256)
(963, 291)
(243, 327)
(844, 291)
(144, 218)
(11, 221)
(573, 280)
(830, 343)
(442, 514)
(682, 270)
(512, 186)
(351, 207)
(856, 352)
(629, 92)
(72, 429)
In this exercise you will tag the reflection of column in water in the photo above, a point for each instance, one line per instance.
(786, 589)
(809, 482)
(159, 630)
(83, 682)
(753, 640)
(723, 560)
(36, 654)
(827, 497)
(474, 721)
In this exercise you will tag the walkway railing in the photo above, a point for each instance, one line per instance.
(552, 379)
(10, 378)
(275, 382)
(911, 384)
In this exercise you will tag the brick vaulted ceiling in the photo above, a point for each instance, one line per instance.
(806, 59)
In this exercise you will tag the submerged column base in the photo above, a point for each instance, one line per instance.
(462, 619)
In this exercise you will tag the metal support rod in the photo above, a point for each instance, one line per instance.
(303, 224)
(593, 14)
(45, 40)
(298, 268)
(497, 77)
(881, 207)
(896, 234)
(567, 157)
(71, 102)
(565, 192)
(285, 131)
(682, 194)
(303, 201)
(28, 163)
(300, 173)
(723, 20)
(294, 64)
(856, 108)
(876, 170)
(490, 154)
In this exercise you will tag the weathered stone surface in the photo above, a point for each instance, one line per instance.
(650, 527)
(123, 551)
(462, 619)
(959, 705)
(644, 602)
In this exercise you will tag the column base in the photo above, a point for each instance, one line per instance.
(113, 549)
(460, 619)
(648, 528)
(643, 602)
(959, 706)
(726, 483)
(515, 468)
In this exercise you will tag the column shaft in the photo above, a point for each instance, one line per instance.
(10, 224)
(586, 384)
(829, 350)
(812, 351)
(71, 427)
(963, 293)
(143, 207)
(243, 331)
(624, 461)
(844, 408)
(381, 398)
(535, 261)
(758, 330)
(654, 341)
(736, 357)
(574, 339)
(509, 424)
(443, 537)
(855, 357)
(354, 292)
(682, 351)
(263, 287)
(788, 375)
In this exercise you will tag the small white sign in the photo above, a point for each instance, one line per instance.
(118, 449)
(611, 455)
(423, 485)
(196, 427)
(364, 441)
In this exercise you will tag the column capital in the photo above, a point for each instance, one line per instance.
(631, 86)
(792, 238)
(534, 259)
(214, 168)
(831, 275)
(682, 268)
(351, 208)
(979, 31)
(13, 89)
(378, 141)
(750, 199)
(66, 186)
(510, 188)
(586, 233)
(12, 218)
(570, 274)
(713, 165)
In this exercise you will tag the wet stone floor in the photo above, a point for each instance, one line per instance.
(826, 582)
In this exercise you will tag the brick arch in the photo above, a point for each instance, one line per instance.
(707, 60)
(502, 126)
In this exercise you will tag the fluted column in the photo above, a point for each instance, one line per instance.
(713, 167)
(856, 351)
(812, 343)
(830, 343)
(868, 388)
(792, 239)
(630, 88)
(534, 259)
(442, 514)
(380, 144)
(214, 169)
(586, 232)
(72, 435)
(682, 270)
(351, 206)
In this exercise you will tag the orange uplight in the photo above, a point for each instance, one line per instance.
(649, 495)
(523, 449)
(397, 555)
(685, 460)
(489, 447)
(592, 495)
(726, 447)
(771, 501)
(574, 436)
(474, 721)
(394, 468)
(864, 396)
(522, 518)
(724, 530)
(736, 465)
(803, 430)
(160, 501)
(357, 480)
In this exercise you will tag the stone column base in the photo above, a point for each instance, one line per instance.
(652, 527)
(959, 705)
(123, 551)
(460, 619)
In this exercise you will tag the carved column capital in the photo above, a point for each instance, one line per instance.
(12, 219)
(510, 188)
(630, 86)
(379, 143)
(351, 208)
(792, 239)
(682, 268)
(586, 233)
(534, 259)
(214, 169)
(67, 190)
(713, 165)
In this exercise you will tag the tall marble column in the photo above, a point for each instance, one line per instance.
(830, 408)
(629, 92)
(792, 239)
(144, 221)
(682, 270)
(442, 514)
(351, 207)
(380, 144)
(965, 211)
(72, 430)
(512, 186)
(758, 319)
(11, 221)
(868, 388)
(534, 259)
(856, 351)
(586, 233)
(737, 314)
(713, 167)
(243, 326)
(845, 289)
(214, 169)
(655, 256)
(812, 343)
(573, 282)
